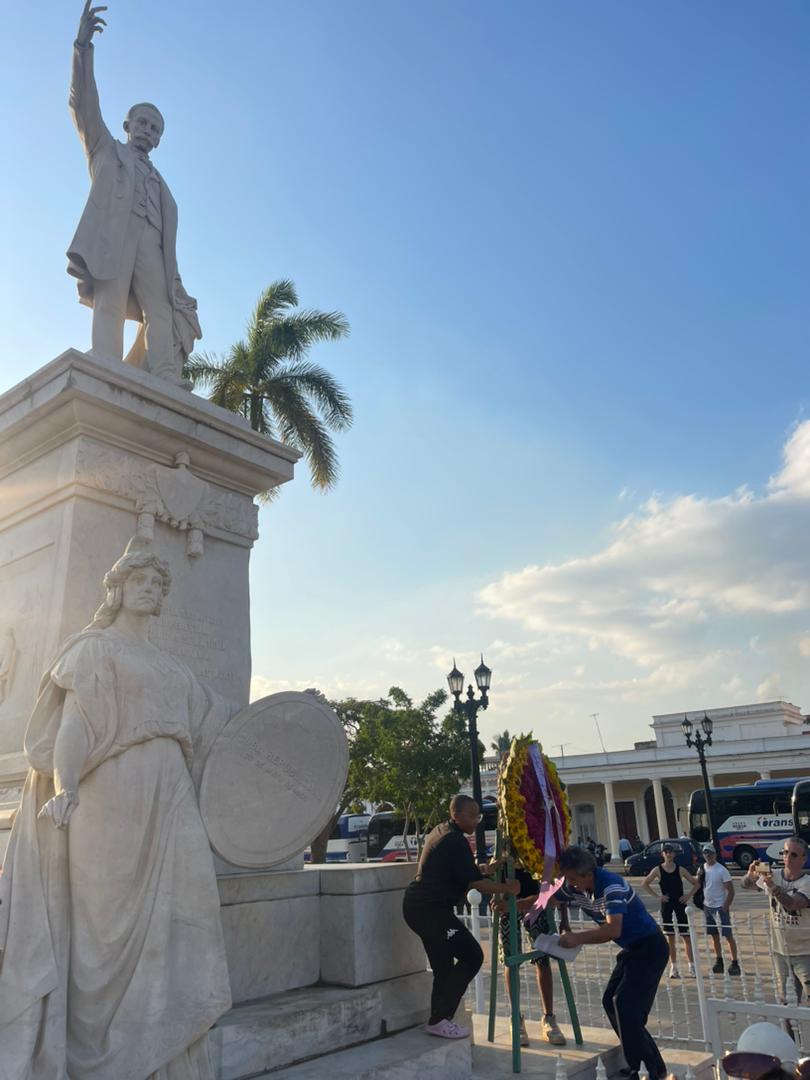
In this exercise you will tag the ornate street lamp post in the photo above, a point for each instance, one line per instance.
(700, 743)
(469, 708)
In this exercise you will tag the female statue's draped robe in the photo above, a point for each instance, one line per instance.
(114, 965)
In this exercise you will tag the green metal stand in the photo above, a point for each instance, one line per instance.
(513, 962)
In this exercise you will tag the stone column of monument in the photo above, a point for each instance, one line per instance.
(92, 453)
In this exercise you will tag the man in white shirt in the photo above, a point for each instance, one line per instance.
(788, 888)
(718, 894)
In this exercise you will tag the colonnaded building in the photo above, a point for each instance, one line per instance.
(632, 793)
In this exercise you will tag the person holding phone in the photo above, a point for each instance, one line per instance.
(788, 889)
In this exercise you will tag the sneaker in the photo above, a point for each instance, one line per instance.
(734, 968)
(673, 972)
(524, 1035)
(718, 967)
(690, 970)
(551, 1031)
(447, 1029)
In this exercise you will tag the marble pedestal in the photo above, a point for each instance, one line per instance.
(90, 454)
(321, 962)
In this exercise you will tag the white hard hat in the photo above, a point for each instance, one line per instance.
(765, 1038)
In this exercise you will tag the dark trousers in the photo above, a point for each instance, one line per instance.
(453, 953)
(629, 996)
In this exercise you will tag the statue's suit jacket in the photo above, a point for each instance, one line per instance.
(96, 250)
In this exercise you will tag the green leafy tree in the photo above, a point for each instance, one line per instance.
(403, 755)
(352, 714)
(269, 380)
(411, 759)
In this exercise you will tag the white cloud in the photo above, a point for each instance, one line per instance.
(770, 689)
(692, 603)
(673, 566)
(261, 686)
(392, 649)
(734, 689)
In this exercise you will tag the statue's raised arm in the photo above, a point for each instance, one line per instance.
(84, 103)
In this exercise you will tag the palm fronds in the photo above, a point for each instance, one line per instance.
(268, 379)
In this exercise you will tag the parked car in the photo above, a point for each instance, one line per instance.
(687, 854)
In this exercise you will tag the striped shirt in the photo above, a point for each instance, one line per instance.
(612, 895)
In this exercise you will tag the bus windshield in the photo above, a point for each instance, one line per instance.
(751, 821)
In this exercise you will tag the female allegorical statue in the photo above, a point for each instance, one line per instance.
(113, 962)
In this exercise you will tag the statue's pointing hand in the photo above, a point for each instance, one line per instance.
(90, 23)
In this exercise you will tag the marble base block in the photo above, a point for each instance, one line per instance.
(271, 923)
(364, 938)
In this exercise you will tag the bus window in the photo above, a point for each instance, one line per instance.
(750, 821)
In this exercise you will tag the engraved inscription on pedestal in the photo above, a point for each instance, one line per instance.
(197, 640)
(273, 779)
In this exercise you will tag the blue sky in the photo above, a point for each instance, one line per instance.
(571, 240)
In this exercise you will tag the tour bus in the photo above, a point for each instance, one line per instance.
(801, 810)
(385, 841)
(347, 844)
(751, 820)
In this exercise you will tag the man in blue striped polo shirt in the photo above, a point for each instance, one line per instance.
(621, 917)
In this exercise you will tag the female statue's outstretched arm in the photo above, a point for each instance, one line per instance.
(69, 755)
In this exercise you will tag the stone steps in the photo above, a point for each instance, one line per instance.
(298, 1025)
(410, 1055)
(289, 1027)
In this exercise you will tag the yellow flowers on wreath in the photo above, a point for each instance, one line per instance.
(522, 825)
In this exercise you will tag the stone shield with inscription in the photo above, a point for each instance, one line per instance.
(273, 779)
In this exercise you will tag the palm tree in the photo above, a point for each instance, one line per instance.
(269, 380)
(501, 743)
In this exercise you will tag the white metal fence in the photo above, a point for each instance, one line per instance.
(693, 1012)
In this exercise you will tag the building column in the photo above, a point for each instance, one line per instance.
(613, 825)
(660, 809)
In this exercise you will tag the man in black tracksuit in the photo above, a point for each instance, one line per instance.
(446, 871)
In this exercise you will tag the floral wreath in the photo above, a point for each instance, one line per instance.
(533, 807)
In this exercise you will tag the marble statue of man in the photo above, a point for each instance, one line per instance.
(124, 250)
(112, 960)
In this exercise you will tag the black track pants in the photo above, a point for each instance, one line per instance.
(454, 954)
(629, 996)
